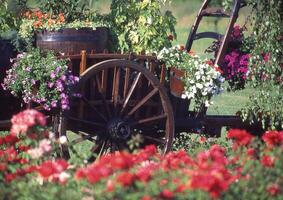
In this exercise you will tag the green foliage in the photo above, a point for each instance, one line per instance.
(265, 108)
(73, 10)
(267, 54)
(266, 71)
(140, 25)
(195, 143)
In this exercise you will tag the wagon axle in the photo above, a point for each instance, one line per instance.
(118, 129)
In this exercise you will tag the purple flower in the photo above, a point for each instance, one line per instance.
(63, 78)
(58, 69)
(59, 86)
(63, 96)
(46, 107)
(64, 101)
(53, 75)
(28, 69)
(53, 103)
(65, 107)
(50, 84)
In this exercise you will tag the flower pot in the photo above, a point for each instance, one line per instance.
(176, 83)
(73, 41)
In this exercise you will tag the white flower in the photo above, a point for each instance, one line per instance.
(63, 139)
(207, 104)
(63, 177)
(183, 96)
(149, 20)
(198, 85)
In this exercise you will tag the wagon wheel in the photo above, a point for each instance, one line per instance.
(119, 100)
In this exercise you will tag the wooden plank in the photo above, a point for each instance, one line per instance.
(212, 35)
(163, 74)
(83, 62)
(215, 12)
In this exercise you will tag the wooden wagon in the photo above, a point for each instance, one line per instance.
(122, 96)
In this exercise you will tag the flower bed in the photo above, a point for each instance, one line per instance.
(250, 168)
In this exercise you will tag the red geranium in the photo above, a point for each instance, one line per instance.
(167, 194)
(242, 137)
(273, 189)
(125, 178)
(267, 161)
(273, 138)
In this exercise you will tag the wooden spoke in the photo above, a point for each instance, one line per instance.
(150, 119)
(102, 96)
(114, 82)
(94, 109)
(126, 85)
(143, 101)
(86, 122)
(158, 140)
(134, 85)
(116, 87)
(104, 81)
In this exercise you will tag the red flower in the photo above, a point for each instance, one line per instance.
(80, 174)
(273, 138)
(146, 197)
(125, 178)
(10, 139)
(267, 161)
(170, 37)
(50, 168)
(167, 194)
(10, 177)
(182, 48)
(251, 152)
(273, 189)
(3, 166)
(202, 139)
(242, 137)
(209, 62)
(181, 188)
(46, 169)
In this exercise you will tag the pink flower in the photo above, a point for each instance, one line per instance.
(35, 153)
(25, 120)
(45, 145)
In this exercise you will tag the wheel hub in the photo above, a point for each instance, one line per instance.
(118, 129)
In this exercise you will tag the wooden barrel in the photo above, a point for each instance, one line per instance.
(72, 41)
(176, 83)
